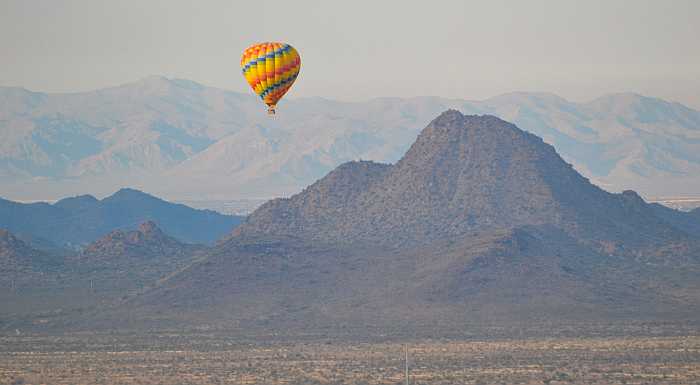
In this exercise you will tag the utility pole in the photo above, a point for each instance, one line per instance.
(406, 349)
(14, 286)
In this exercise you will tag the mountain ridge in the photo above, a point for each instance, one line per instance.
(75, 221)
(155, 133)
(393, 246)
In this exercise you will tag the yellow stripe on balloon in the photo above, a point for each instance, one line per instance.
(260, 68)
(278, 65)
(270, 65)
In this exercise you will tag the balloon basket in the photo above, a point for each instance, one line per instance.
(271, 110)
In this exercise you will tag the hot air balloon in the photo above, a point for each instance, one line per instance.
(270, 69)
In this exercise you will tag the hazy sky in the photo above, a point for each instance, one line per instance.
(356, 49)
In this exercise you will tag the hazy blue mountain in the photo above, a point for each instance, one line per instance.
(686, 221)
(76, 221)
(182, 140)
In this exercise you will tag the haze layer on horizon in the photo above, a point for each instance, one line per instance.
(363, 49)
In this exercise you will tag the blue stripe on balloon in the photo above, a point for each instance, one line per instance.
(285, 48)
(277, 85)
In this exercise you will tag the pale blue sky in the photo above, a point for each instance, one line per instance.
(361, 49)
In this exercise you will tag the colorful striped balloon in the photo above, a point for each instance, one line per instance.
(270, 69)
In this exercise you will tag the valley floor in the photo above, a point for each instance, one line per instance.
(215, 359)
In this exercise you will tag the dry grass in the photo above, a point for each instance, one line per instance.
(175, 359)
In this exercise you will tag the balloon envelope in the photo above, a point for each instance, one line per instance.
(270, 68)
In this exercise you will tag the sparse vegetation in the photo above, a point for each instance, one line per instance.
(220, 359)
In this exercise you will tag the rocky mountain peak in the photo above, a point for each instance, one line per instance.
(349, 178)
(448, 118)
(147, 239)
(461, 174)
(632, 197)
(128, 193)
(134, 257)
(149, 229)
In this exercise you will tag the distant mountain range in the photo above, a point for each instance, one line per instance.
(76, 221)
(185, 141)
(479, 222)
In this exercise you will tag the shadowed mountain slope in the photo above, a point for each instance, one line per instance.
(18, 258)
(686, 221)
